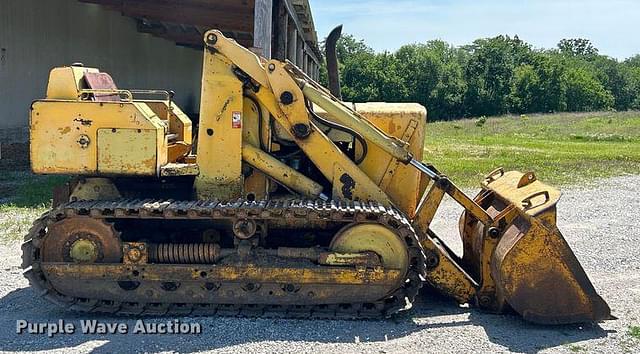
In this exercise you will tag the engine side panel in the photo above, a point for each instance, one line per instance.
(64, 138)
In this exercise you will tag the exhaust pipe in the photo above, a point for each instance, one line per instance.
(332, 62)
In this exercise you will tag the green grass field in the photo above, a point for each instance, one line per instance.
(23, 197)
(562, 149)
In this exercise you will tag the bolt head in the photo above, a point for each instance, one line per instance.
(485, 300)
(135, 255)
(286, 98)
(301, 131)
(212, 39)
(494, 232)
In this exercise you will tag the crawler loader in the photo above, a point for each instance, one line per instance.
(285, 201)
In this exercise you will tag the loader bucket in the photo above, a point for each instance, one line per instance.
(529, 267)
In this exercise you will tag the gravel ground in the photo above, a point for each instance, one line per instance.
(600, 223)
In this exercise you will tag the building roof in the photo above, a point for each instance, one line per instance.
(186, 21)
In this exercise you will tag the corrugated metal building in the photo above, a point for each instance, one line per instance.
(153, 44)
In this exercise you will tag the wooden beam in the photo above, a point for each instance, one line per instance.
(262, 29)
(192, 37)
(221, 15)
(292, 43)
(300, 51)
(222, 5)
(282, 31)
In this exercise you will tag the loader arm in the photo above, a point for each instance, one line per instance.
(514, 255)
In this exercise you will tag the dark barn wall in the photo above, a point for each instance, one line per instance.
(36, 36)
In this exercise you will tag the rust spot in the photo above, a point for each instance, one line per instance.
(64, 130)
(348, 185)
(392, 127)
(86, 122)
(224, 108)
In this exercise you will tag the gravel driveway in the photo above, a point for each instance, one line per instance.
(601, 223)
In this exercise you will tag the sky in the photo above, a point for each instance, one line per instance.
(612, 25)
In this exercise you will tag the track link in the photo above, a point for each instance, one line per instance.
(303, 210)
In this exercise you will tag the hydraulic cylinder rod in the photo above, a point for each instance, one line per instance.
(352, 120)
(280, 172)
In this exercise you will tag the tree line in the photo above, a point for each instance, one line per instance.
(491, 76)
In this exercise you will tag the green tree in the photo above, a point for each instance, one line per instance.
(632, 66)
(585, 92)
(491, 76)
(617, 79)
(525, 88)
(347, 48)
(577, 47)
(372, 77)
(489, 72)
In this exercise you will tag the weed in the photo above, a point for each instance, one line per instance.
(576, 348)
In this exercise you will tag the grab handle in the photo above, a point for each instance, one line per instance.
(492, 176)
(528, 204)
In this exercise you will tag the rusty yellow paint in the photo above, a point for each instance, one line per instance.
(248, 273)
(66, 130)
(95, 189)
(352, 119)
(373, 238)
(256, 184)
(524, 191)
(537, 274)
(177, 152)
(66, 82)
(445, 274)
(469, 205)
(84, 251)
(407, 122)
(317, 146)
(247, 61)
(325, 155)
(368, 259)
(280, 172)
(179, 123)
(127, 152)
(220, 137)
(521, 259)
(514, 253)
(428, 207)
(64, 135)
(281, 82)
(179, 169)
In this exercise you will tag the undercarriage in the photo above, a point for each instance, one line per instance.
(240, 258)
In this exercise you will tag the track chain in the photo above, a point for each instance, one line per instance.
(309, 210)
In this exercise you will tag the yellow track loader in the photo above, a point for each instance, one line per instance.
(286, 201)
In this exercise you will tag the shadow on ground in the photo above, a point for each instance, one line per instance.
(219, 333)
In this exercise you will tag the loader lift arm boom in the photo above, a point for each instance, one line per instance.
(505, 264)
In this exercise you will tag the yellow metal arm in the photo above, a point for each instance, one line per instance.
(280, 172)
(356, 122)
(271, 81)
(283, 90)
